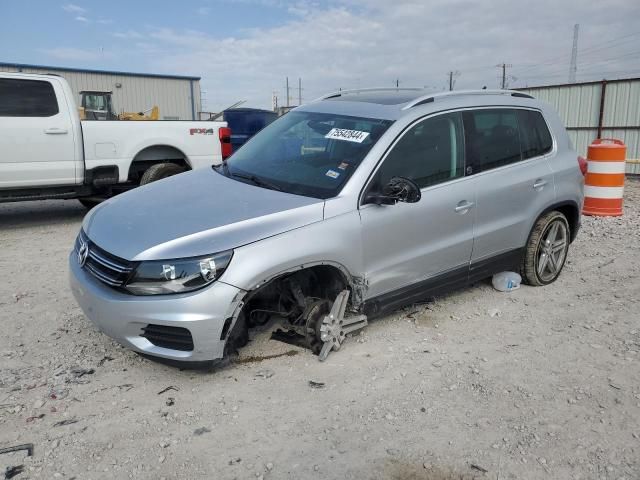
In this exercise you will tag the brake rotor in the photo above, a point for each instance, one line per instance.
(313, 316)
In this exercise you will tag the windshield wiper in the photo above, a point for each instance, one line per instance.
(225, 168)
(256, 181)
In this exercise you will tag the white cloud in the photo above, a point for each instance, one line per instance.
(76, 54)
(81, 18)
(366, 43)
(72, 8)
(204, 11)
(129, 34)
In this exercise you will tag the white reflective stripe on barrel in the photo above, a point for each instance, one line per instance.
(606, 167)
(603, 192)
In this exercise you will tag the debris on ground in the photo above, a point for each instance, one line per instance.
(35, 417)
(201, 431)
(479, 468)
(506, 281)
(81, 372)
(266, 373)
(313, 384)
(11, 472)
(170, 387)
(62, 423)
(28, 447)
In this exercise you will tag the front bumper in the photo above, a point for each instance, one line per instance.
(123, 316)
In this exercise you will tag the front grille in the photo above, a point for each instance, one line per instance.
(107, 268)
(175, 338)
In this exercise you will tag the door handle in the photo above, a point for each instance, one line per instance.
(55, 131)
(463, 206)
(539, 183)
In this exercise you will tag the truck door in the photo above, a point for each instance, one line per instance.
(37, 146)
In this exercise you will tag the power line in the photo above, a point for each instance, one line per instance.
(583, 52)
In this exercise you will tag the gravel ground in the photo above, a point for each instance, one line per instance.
(537, 383)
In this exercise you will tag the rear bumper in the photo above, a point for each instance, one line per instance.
(122, 317)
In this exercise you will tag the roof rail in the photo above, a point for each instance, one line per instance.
(368, 90)
(432, 96)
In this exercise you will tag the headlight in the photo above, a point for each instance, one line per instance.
(162, 277)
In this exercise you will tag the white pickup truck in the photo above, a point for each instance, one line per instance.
(46, 151)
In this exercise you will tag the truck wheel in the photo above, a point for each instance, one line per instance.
(89, 203)
(160, 171)
(546, 250)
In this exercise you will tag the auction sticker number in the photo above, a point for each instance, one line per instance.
(348, 135)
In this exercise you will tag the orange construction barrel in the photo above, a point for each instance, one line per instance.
(604, 182)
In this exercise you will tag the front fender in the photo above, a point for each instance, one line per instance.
(335, 241)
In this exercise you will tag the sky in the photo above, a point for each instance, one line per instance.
(244, 49)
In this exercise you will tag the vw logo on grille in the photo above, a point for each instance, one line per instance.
(83, 253)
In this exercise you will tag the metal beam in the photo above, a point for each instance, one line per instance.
(603, 91)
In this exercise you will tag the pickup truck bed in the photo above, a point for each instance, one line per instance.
(48, 152)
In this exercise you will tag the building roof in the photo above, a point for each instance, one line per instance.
(577, 84)
(20, 66)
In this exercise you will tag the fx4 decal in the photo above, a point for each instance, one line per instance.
(201, 131)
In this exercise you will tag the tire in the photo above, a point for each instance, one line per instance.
(160, 171)
(89, 203)
(542, 262)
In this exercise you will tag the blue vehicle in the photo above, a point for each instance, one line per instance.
(246, 122)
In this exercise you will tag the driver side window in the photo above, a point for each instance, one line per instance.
(430, 152)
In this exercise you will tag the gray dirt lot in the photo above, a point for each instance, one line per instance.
(547, 387)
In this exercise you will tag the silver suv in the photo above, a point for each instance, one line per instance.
(339, 211)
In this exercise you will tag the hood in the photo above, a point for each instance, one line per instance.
(195, 213)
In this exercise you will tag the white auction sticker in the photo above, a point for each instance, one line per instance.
(349, 135)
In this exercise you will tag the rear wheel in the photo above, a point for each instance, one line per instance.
(160, 171)
(546, 250)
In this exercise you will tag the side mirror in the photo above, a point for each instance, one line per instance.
(399, 189)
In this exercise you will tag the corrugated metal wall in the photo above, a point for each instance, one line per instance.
(579, 107)
(137, 93)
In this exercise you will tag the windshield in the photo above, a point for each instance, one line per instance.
(306, 153)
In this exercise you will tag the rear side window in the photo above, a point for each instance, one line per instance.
(27, 98)
(492, 138)
(534, 134)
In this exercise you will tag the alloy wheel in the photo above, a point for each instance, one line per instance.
(552, 251)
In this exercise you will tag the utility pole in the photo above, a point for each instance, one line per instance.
(299, 91)
(573, 67)
(397, 82)
(287, 91)
(452, 77)
(504, 67)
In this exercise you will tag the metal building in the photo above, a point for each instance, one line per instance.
(602, 109)
(178, 97)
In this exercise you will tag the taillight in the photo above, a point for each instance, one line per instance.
(224, 134)
(583, 165)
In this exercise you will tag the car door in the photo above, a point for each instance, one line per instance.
(406, 245)
(36, 134)
(514, 181)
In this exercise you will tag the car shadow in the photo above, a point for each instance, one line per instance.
(46, 212)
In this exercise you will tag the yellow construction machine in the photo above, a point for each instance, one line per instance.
(97, 105)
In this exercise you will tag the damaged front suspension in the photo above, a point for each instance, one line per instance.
(322, 327)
